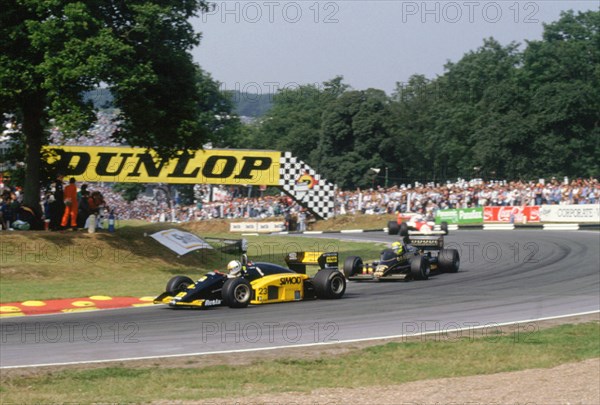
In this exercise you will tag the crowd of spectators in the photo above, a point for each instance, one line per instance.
(233, 202)
(427, 198)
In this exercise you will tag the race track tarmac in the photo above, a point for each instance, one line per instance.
(505, 276)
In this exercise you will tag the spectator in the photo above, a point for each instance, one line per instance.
(71, 210)
(83, 206)
(302, 221)
(97, 205)
(57, 206)
(28, 215)
(6, 214)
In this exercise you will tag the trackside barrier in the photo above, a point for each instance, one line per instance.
(561, 227)
(489, 227)
(499, 227)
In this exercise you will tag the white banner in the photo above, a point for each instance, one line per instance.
(256, 227)
(180, 242)
(242, 227)
(270, 226)
(571, 213)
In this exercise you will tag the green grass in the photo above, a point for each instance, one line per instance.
(392, 363)
(46, 265)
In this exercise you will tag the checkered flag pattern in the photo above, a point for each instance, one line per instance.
(320, 199)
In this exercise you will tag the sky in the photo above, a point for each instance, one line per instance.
(261, 46)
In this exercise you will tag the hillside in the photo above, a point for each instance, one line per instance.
(44, 265)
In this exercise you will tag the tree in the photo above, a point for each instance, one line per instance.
(561, 75)
(217, 114)
(412, 121)
(354, 128)
(294, 121)
(52, 51)
(472, 89)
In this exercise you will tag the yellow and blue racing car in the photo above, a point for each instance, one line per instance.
(247, 283)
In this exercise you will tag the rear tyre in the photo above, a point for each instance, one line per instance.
(448, 260)
(393, 228)
(178, 284)
(419, 268)
(403, 229)
(237, 292)
(329, 284)
(352, 265)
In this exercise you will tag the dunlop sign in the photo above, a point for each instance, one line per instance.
(138, 165)
(212, 166)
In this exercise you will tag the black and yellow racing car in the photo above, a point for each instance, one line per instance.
(247, 283)
(413, 258)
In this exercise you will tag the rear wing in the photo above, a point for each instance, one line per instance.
(433, 242)
(298, 261)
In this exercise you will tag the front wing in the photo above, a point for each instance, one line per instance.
(166, 298)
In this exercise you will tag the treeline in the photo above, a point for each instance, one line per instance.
(505, 112)
(250, 104)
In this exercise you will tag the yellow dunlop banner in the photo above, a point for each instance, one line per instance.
(137, 165)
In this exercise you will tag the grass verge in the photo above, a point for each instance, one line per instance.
(391, 363)
(46, 265)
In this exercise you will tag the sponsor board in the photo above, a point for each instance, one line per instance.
(512, 214)
(212, 166)
(584, 213)
(266, 227)
(461, 216)
(139, 165)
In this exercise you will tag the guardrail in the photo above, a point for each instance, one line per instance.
(484, 227)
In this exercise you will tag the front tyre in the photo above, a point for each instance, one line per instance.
(352, 265)
(237, 292)
(419, 268)
(329, 284)
(178, 284)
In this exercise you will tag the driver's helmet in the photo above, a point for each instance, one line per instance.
(234, 268)
(398, 248)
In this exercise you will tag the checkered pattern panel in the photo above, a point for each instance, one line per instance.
(319, 200)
